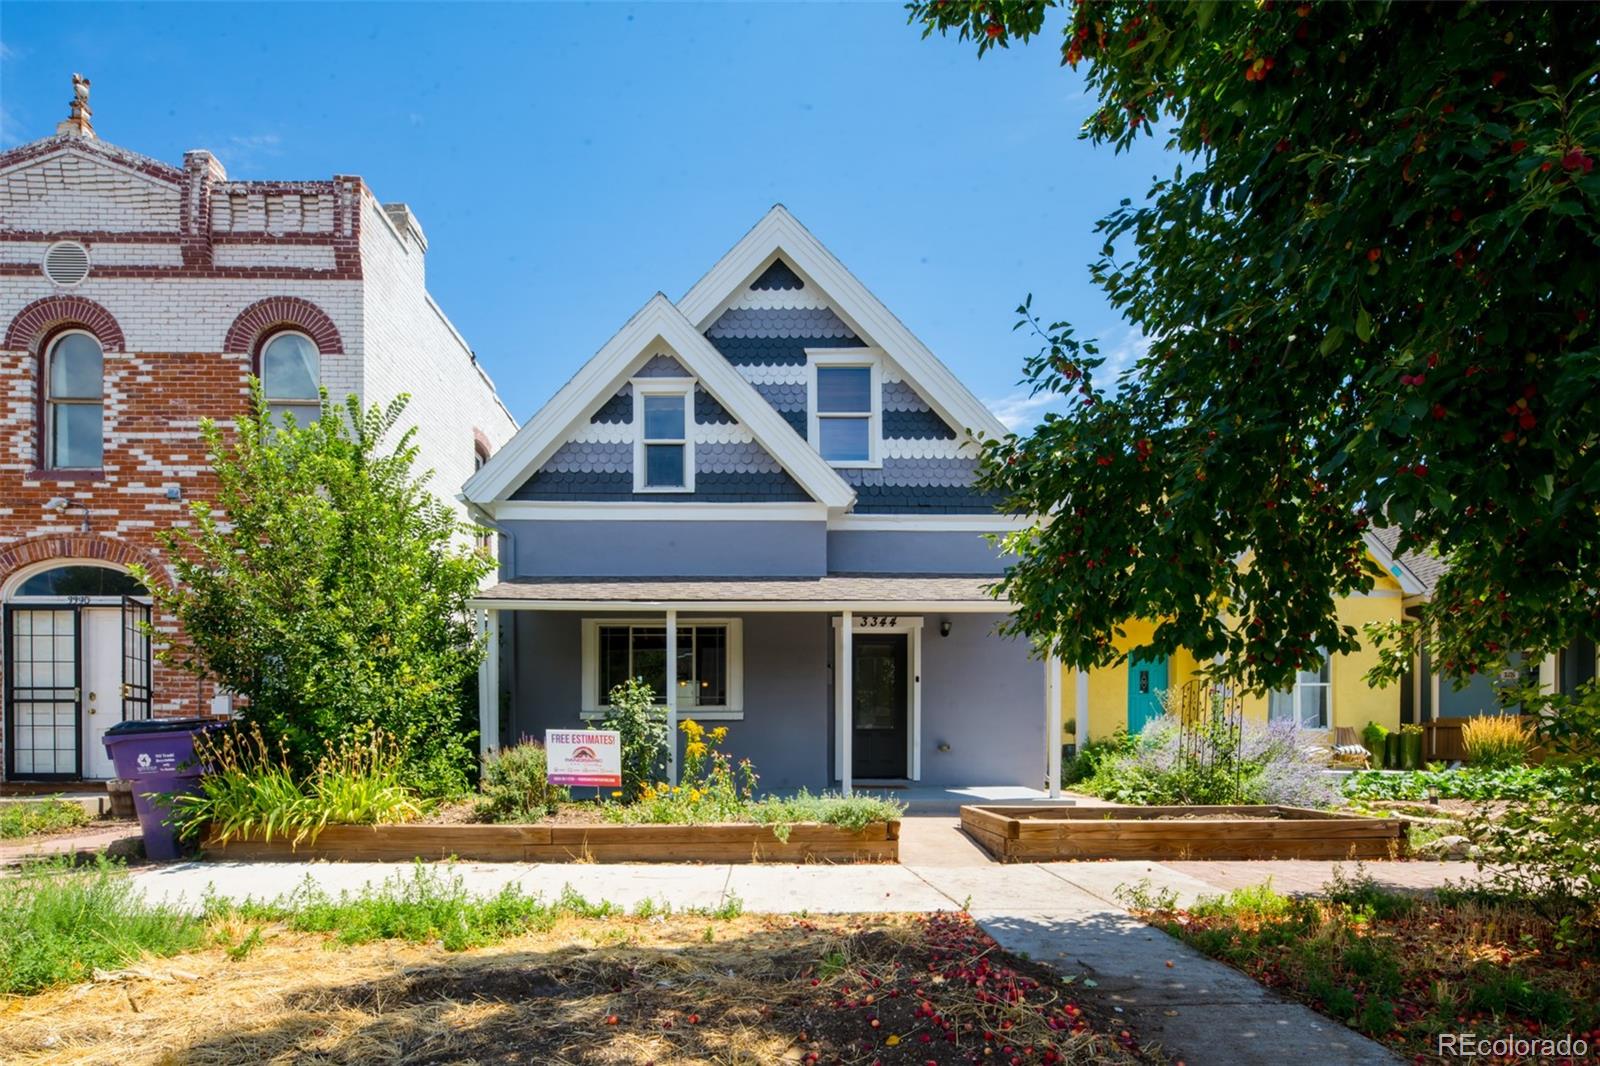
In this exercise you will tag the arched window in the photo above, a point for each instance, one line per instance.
(81, 579)
(74, 434)
(289, 375)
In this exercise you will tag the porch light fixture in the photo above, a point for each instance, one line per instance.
(61, 503)
(944, 627)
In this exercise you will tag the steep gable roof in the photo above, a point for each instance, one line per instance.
(658, 322)
(779, 248)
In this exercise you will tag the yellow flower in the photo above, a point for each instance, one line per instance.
(892, 1041)
(616, 793)
(719, 734)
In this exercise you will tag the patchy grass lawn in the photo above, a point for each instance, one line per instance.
(29, 817)
(1402, 968)
(372, 978)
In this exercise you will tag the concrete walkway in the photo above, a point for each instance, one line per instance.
(1063, 914)
(117, 838)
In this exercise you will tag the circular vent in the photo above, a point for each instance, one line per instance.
(66, 262)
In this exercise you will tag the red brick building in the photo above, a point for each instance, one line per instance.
(137, 297)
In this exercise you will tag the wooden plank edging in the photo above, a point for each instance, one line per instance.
(721, 843)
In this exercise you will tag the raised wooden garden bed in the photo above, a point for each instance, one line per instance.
(736, 842)
(1042, 834)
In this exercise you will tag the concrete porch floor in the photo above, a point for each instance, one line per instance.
(936, 800)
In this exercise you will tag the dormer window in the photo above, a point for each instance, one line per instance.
(845, 423)
(663, 458)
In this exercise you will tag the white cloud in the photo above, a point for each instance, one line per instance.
(244, 155)
(1120, 350)
(1019, 410)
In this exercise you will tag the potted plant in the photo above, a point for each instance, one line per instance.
(1411, 747)
(1373, 737)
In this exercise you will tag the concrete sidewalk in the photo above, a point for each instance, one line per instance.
(1062, 914)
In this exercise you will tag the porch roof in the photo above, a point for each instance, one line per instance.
(829, 592)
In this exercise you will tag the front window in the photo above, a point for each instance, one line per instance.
(628, 651)
(844, 414)
(1306, 702)
(290, 371)
(74, 430)
(665, 440)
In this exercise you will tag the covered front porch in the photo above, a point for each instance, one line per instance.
(936, 699)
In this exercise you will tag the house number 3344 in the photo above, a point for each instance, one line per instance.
(879, 621)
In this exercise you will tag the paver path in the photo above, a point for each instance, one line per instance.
(117, 838)
(1062, 914)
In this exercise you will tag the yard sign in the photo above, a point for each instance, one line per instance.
(590, 758)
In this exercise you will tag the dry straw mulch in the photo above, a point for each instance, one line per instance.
(758, 990)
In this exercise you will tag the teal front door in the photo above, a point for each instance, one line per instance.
(1147, 679)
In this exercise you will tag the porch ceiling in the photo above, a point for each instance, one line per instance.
(830, 592)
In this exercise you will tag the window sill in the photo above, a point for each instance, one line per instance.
(707, 715)
(69, 474)
(645, 490)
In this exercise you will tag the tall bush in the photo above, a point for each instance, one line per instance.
(642, 733)
(328, 588)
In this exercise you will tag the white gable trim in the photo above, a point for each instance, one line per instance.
(1410, 584)
(601, 376)
(780, 233)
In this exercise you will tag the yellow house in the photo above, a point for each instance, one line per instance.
(1128, 694)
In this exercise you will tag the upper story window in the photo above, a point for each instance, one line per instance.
(1306, 702)
(664, 455)
(74, 402)
(845, 422)
(290, 372)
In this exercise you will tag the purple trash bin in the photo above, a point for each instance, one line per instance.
(157, 756)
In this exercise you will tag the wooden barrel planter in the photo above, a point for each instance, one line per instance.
(726, 843)
(1045, 834)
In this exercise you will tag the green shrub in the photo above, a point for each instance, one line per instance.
(642, 735)
(40, 816)
(252, 791)
(1469, 783)
(1087, 761)
(1496, 741)
(515, 786)
(59, 924)
(1372, 738)
(326, 584)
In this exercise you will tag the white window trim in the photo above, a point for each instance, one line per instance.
(733, 711)
(870, 358)
(1299, 715)
(683, 388)
(51, 402)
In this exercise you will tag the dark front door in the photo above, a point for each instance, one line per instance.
(879, 676)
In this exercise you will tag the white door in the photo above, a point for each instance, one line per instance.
(102, 685)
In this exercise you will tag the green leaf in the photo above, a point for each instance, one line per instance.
(1363, 324)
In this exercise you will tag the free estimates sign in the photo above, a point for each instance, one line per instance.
(591, 758)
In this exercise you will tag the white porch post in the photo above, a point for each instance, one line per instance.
(489, 681)
(1052, 725)
(1080, 707)
(672, 695)
(843, 699)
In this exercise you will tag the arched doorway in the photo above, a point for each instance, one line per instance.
(77, 661)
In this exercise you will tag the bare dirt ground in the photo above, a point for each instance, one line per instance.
(891, 989)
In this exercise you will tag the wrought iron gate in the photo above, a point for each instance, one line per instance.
(135, 658)
(43, 725)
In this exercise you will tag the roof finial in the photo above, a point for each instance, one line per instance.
(77, 124)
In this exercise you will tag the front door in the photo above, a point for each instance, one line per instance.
(1147, 680)
(102, 685)
(879, 715)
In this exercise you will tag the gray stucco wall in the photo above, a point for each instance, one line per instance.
(981, 695)
(549, 548)
(892, 552)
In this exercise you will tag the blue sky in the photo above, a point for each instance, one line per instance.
(569, 160)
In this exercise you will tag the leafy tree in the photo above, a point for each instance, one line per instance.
(329, 589)
(1370, 286)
